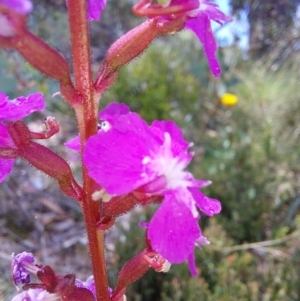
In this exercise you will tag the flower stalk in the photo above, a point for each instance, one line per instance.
(86, 113)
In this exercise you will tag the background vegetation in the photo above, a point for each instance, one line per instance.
(250, 151)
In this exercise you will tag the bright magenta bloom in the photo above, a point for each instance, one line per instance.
(198, 15)
(199, 22)
(127, 155)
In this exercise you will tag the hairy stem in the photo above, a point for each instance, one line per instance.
(86, 113)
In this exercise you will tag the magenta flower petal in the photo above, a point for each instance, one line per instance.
(202, 240)
(202, 28)
(74, 144)
(179, 144)
(90, 284)
(201, 183)
(173, 230)
(213, 12)
(192, 264)
(198, 14)
(113, 111)
(200, 25)
(207, 205)
(21, 106)
(19, 6)
(115, 158)
(11, 110)
(110, 114)
(6, 166)
(95, 8)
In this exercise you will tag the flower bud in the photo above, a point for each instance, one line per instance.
(136, 267)
(132, 44)
(43, 57)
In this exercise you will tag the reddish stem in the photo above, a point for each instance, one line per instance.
(87, 122)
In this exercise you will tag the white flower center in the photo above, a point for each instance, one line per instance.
(104, 126)
(165, 164)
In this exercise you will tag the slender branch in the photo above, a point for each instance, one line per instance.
(275, 252)
(87, 122)
(259, 244)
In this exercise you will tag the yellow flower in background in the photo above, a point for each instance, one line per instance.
(229, 99)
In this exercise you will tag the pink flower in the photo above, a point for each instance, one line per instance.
(19, 266)
(199, 22)
(127, 155)
(14, 110)
(198, 14)
(51, 286)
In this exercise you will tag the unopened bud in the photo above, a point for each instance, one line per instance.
(132, 44)
(157, 262)
(44, 58)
